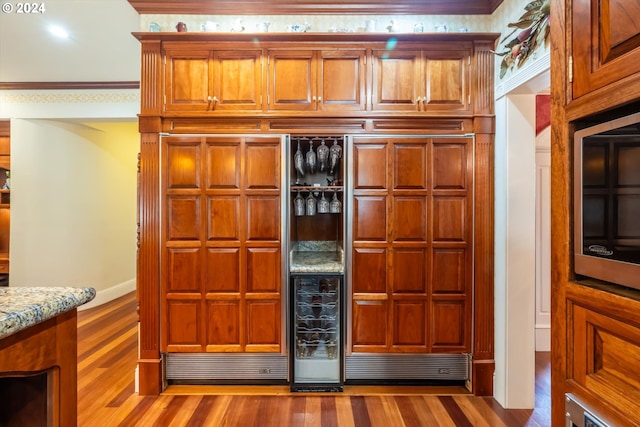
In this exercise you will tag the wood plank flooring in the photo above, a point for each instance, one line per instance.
(107, 352)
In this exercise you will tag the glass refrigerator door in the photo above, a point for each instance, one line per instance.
(316, 329)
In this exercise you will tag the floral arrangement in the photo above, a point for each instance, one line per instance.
(530, 32)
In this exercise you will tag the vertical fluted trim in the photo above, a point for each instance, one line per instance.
(151, 80)
(483, 84)
(148, 291)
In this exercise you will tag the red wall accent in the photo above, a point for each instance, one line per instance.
(543, 112)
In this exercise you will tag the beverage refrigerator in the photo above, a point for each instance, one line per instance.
(317, 344)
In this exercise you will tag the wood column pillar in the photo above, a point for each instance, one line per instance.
(484, 127)
(148, 262)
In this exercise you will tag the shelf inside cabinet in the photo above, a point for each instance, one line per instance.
(338, 188)
(5, 198)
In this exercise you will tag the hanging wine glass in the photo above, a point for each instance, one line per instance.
(323, 205)
(335, 206)
(323, 155)
(298, 160)
(335, 153)
(311, 204)
(311, 159)
(299, 205)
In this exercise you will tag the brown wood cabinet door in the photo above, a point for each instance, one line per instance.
(310, 80)
(292, 80)
(446, 85)
(210, 81)
(221, 262)
(412, 244)
(342, 80)
(187, 80)
(396, 80)
(606, 43)
(237, 80)
(424, 81)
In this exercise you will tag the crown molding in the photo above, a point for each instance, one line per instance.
(315, 7)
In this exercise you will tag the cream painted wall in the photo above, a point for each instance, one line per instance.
(73, 204)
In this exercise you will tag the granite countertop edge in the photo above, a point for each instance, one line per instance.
(23, 307)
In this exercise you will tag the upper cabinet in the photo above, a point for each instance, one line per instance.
(213, 80)
(422, 80)
(317, 80)
(605, 44)
(314, 75)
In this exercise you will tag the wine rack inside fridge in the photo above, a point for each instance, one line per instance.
(317, 350)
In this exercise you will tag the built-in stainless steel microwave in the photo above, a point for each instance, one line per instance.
(607, 201)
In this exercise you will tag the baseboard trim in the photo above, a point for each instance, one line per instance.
(543, 338)
(105, 295)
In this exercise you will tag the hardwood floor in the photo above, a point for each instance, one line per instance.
(107, 352)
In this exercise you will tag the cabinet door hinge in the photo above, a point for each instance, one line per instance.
(469, 60)
(570, 65)
(164, 99)
(468, 99)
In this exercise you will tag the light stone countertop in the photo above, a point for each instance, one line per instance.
(316, 262)
(21, 308)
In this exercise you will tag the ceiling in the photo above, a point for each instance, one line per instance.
(101, 50)
(100, 46)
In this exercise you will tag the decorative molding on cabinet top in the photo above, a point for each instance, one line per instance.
(293, 7)
(339, 23)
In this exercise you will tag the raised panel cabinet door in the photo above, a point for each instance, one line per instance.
(221, 244)
(187, 80)
(183, 325)
(263, 325)
(292, 80)
(369, 324)
(396, 80)
(223, 325)
(606, 43)
(446, 81)
(342, 80)
(237, 80)
(450, 325)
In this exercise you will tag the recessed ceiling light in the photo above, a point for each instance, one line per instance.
(58, 31)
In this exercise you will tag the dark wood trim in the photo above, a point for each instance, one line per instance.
(316, 7)
(263, 39)
(5, 128)
(67, 85)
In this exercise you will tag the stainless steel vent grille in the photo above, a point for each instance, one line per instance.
(408, 366)
(223, 366)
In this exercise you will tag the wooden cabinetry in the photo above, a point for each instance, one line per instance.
(412, 244)
(430, 80)
(202, 80)
(595, 64)
(604, 339)
(317, 80)
(210, 204)
(221, 286)
(605, 43)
